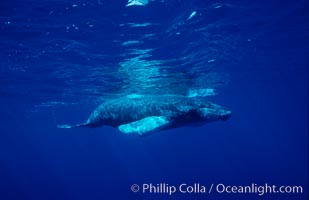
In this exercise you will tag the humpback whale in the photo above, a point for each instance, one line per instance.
(141, 114)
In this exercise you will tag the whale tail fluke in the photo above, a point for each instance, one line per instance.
(72, 126)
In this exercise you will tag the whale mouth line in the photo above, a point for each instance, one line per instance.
(226, 115)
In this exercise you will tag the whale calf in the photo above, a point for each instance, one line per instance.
(141, 114)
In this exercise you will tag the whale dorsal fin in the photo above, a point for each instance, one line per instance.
(145, 125)
(134, 96)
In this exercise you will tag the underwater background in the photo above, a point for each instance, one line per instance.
(59, 59)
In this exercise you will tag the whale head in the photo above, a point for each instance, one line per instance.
(215, 112)
(224, 114)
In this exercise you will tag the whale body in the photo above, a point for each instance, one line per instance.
(141, 114)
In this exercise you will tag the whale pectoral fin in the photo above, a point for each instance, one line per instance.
(145, 125)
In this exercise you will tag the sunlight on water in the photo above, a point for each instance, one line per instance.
(79, 54)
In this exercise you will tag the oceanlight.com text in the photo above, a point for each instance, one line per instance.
(219, 188)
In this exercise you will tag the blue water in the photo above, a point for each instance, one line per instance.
(60, 59)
